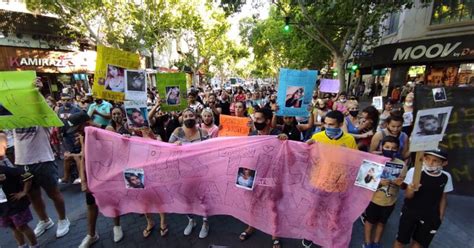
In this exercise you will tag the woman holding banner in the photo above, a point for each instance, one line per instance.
(118, 125)
(186, 134)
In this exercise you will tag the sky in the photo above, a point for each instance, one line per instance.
(247, 11)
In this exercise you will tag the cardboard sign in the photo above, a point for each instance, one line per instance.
(21, 104)
(295, 91)
(172, 89)
(109, 78)
(233, 126)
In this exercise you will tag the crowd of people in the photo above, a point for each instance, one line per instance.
(28, 155)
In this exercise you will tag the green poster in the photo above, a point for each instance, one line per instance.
(21, 104)
(172, 90)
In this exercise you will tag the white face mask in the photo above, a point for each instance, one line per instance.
(434, 170)
(408, 104)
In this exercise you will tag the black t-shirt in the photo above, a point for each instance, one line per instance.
(273, 131)
(225, 106)
(292, 132)
(427, 199)
(13, 184)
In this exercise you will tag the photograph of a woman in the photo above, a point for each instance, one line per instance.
(294, 97)
(134, 178)
(115, 80)
(245, 178)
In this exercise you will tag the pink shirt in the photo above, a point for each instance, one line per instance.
(211, 131)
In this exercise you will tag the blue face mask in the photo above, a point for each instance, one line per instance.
(389, 153)
(333, 132)
(68, 104)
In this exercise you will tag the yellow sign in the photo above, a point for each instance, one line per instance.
(109, 78)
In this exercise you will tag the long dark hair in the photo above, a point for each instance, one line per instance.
(112, 122)
(374, 115)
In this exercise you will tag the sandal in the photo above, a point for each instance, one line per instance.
(164, 231)
(147, 231)
(245, 235)
(276, 243)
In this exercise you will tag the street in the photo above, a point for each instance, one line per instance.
(456, 230)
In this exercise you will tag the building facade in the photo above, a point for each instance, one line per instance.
(429, 43)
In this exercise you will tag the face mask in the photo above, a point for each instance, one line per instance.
(68, 105)
(432, 170)
(189, 123)
(333, 132)
(272, 101)
(315, 97)
(343, 100)
(260, 126)
(354, 113)
(388, 153)
(408, 104)
(99, 101)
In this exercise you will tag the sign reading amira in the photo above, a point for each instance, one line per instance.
(16, 61)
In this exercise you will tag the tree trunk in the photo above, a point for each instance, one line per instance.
(341, 73)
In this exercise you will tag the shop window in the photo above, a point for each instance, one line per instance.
(442, 76)
(452, 11)
(466, 74)
(393, 23)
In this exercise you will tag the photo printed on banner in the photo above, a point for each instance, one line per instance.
(245, 178)
(114, 80)
(172, 95)
(134, 178)
(430, 126)
(137, 114)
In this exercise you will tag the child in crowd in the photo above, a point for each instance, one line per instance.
(425, 203)
(14, 205)
(385, 198)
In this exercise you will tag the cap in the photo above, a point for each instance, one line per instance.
(75, 120)
(438, 153)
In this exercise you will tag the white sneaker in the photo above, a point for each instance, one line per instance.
(63, 228)
(42, 226)
(88, 241)
(204, 231)
(60, 181)
(118, 233)
(77, 181)
(189, 227)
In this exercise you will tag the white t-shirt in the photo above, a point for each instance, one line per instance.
(32, 145)
(447, 188)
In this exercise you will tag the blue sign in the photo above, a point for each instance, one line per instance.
(295, 91)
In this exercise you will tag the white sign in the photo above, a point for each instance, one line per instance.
(433, 51)
(430, 126)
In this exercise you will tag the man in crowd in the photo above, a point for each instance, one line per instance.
(99, 111)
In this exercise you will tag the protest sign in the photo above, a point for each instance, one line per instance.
(137, 114)
(172, 90)
(21, 104)
(430, 125)
(135, 87)
(392, 171)
(200, 178)
(233, 126)
(295, 91)
(377, 102)
(458, 140)
(329, 85)
(109, 78)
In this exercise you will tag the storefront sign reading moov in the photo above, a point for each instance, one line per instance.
(433, 51)
(449, 49)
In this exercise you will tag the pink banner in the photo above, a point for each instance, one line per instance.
(287, 189)
(329, 85)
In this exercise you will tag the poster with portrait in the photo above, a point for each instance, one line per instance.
(439, 95)
(430, 126)
(135, 85)
(377, 102)
(109, 78)
(245, 178)
(137, 114)
(369, 175)
(295, 91)
(172, 90)
(134, 178)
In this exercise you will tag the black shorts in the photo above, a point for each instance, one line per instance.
(45, 175)
(420, 229)
(378, 214)
(90, 199)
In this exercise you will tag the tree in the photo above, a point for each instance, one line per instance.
(341, 26)
(275, 47)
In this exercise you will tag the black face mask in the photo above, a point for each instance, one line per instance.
(354, 113)
(315, 97)
(272, 101)
(98, 101)
(190, 123)
(260, 126)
